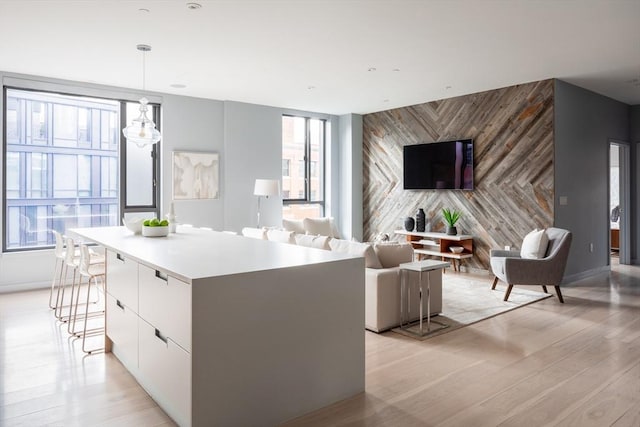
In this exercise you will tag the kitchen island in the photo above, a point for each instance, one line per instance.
(226, 330)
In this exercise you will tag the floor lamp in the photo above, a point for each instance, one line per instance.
(266, 188)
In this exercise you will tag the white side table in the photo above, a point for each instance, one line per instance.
(405, 294)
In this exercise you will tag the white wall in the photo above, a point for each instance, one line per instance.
(253, 150)
(350, 192)
(192, 124)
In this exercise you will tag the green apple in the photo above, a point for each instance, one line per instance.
(146, 222)
(164, 223)
(154, 222)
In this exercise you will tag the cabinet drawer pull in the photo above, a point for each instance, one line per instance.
(120, 257)
(162, 276)
(161, 337)
(119, 304)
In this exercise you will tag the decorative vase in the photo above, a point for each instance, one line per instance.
(420, 220)
(409, 223)
(452, 231)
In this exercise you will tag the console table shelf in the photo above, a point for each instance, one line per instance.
(438, 244)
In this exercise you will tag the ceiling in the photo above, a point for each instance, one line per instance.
(330, 56)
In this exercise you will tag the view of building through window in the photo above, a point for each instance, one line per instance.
(302, 167)
(62, 163)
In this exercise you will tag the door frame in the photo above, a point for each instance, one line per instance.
(624, 157)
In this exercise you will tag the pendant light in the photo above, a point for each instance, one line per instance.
(142, 130)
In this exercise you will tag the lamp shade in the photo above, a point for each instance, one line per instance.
(266, 187)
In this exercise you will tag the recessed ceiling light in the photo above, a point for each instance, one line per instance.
(178, 86)
(144, 10)
(371, 69)
(193, 6)
(447, 87)
(385, 100)
(311, 87)
(396, 70)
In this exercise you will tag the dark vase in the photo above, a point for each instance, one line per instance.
(409, 223)
(452, 231)
(420, 220)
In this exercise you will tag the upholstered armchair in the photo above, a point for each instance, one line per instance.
(512, 269)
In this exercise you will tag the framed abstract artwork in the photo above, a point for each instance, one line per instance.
(195, 175)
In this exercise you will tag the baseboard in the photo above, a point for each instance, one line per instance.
(585, 274)
(19, 287)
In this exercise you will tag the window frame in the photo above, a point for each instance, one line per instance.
(306, 200)
(122, 149)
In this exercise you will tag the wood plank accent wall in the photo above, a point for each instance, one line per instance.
(512, 129)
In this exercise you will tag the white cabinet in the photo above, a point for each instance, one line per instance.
(122, 279)
(165, 302)
(122, 327)
(165, 372)
(149, 325)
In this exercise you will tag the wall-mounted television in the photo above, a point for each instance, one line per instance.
(444, 165)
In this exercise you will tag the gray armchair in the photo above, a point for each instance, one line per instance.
(509, 267)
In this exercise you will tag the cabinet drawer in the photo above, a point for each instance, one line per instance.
(165, 372)
(122, 329)
(122, 279)
(165, 302)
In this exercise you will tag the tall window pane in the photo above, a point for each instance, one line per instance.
(140, 171)
(50, 170)
(303, 141)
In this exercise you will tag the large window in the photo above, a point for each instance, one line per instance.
(303, 141)
(63, 166)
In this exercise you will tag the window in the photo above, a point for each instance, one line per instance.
(64, 166)
(303, 141)
(286, 163)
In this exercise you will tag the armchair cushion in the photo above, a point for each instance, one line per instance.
(282, 236)
(294, 225)
(534, 245)
(362, 249)
(393, 254)
(318, 242)
(255, 233)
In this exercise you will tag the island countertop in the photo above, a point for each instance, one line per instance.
(192, 253)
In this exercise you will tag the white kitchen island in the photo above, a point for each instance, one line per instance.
(224, 330)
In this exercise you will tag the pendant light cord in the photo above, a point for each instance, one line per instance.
(144, 69)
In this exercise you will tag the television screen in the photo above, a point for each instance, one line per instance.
(439, 165)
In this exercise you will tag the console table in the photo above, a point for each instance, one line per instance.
(437, 244)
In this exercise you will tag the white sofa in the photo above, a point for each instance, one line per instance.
(382, 275)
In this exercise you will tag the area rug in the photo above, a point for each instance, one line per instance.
(467, 300)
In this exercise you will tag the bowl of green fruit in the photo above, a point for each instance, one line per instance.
(155, 228)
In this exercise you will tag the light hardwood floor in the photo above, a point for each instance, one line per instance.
(576, 364)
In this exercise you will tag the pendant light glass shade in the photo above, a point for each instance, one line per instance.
(142, 131)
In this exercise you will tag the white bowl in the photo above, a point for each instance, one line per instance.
(160, 231)
(133, 224)
(456, 249)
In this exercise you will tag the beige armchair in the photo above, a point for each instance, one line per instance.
(509, 267)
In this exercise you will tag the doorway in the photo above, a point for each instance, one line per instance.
(619, 202)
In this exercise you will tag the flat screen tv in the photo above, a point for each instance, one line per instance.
(439, 166)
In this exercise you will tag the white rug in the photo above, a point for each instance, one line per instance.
(467, 300)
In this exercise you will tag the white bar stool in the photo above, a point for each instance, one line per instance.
(95, 273)
(59, 253)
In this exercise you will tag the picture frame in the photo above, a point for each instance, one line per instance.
(196, 175)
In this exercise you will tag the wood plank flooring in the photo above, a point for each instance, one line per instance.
(576, 364)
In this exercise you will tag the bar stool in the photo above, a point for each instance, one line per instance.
(93, 259)
(71, 260)
(94, 272)
(59, 252)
